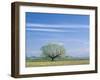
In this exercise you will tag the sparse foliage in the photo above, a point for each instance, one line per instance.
(53, 51)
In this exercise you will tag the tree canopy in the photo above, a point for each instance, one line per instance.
(53, 50)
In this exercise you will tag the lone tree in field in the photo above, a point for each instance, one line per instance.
(53, 50)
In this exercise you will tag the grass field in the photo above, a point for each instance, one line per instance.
(56, 63)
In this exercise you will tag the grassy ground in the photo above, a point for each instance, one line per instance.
(56, 63)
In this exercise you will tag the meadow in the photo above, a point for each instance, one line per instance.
(43, 62)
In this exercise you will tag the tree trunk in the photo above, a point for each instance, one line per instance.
(52, 59)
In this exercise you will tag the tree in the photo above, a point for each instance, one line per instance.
(53, 50)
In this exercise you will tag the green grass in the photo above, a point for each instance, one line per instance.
(39, 62)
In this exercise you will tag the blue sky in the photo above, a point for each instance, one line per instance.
(70, 30)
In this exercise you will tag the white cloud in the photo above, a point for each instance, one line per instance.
(56, 25)
(50, 30)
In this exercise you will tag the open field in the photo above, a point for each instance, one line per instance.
(56, 63)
